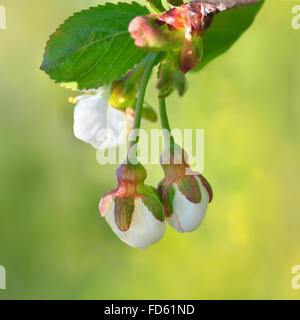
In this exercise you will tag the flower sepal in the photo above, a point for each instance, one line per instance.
(191, 53)
(151, 200)
(170, 76)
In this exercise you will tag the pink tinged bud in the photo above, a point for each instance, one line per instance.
(187, 216)
(153, 35)
(180, 27)
(133, 210)
(185, 197)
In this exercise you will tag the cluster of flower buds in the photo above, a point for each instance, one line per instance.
(179, 33)
(104, 116)
(180, 28)
(136, 212)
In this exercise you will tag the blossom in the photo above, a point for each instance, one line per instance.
(180, 28)
(185, 194)
(133, 210)
(97, 122)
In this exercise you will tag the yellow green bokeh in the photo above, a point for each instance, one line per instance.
(53, 243)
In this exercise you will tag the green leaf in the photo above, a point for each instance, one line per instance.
(94, 47)
(156, 5)
(226, 29)
(176, 3)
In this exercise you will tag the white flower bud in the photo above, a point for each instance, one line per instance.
(99, 124)
(144, 230)
(188, 216)
(185, 194)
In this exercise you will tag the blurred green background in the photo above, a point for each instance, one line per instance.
(53, 243)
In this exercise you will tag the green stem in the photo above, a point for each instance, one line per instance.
(165, 122)
(132, 152)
